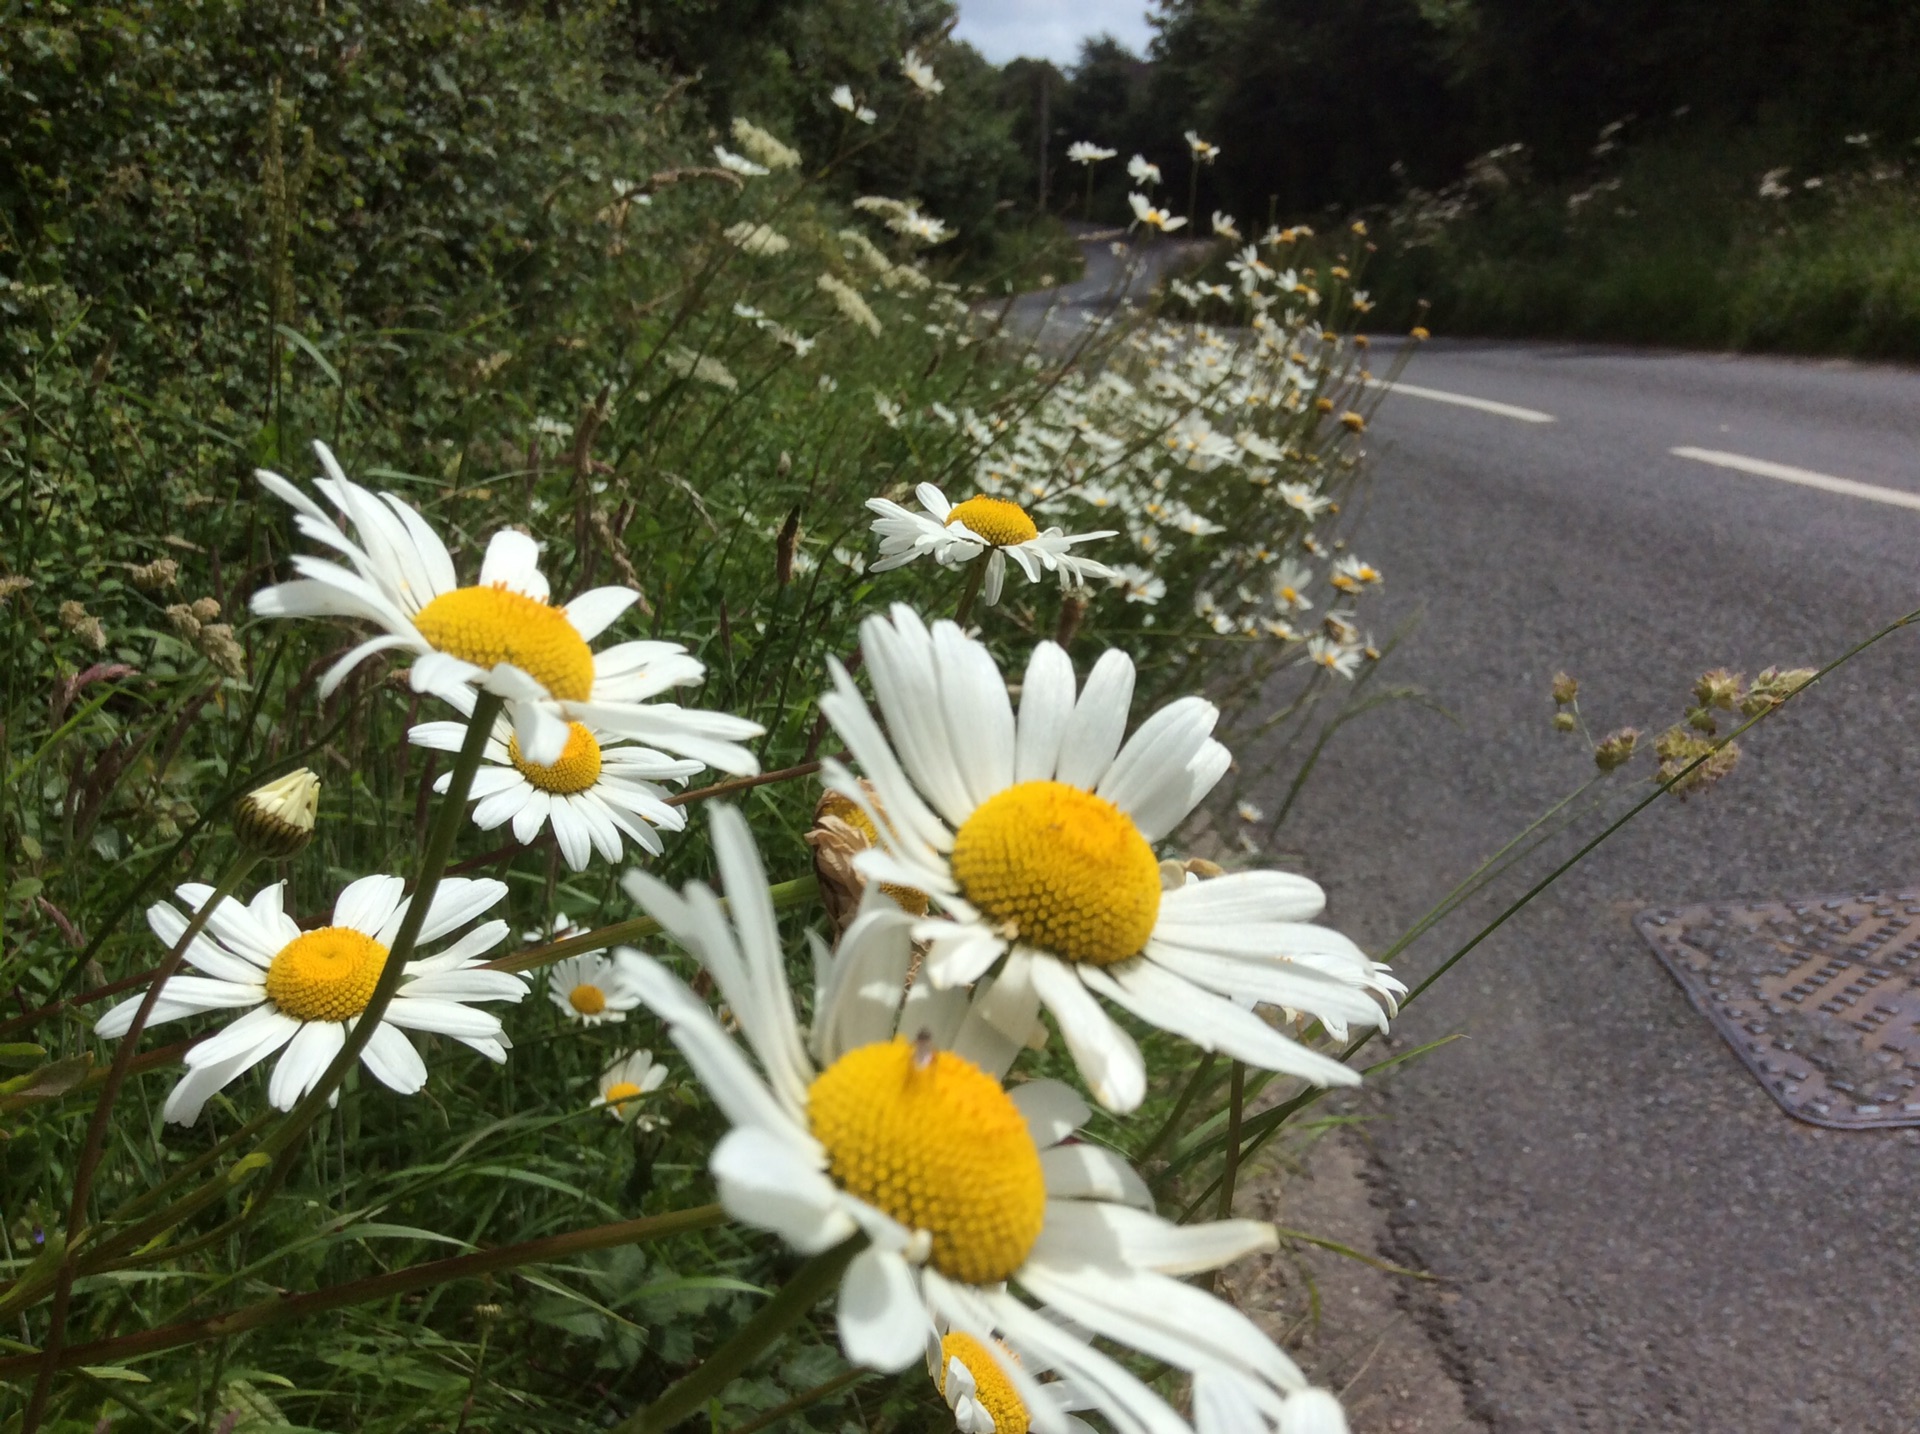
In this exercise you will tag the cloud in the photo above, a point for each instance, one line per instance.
(1003, 30)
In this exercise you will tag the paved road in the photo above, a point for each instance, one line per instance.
(1630, 1235)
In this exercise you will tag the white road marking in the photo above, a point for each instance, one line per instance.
(1485, 405)
(1899, 498)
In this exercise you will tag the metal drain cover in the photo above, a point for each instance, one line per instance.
(1820, 997)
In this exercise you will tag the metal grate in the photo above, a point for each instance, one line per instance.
(1820, 997)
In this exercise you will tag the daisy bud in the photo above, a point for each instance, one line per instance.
(1353, 421)
(1420, 334)
(1616, 749)
(783, 552)
(276, 821)
(156, 576)
(77, 620)
(1565, 689)
(1563, 722)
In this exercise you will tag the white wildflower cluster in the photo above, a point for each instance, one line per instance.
(1208, 464)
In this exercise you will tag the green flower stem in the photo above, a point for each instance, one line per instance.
(1179, 1111)
(378, 1287)
(1236, 1107)
(95, 1142)
(976, 572)
(779, 1314)
(798, 892)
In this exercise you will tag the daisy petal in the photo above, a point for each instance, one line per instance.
(883, 1324)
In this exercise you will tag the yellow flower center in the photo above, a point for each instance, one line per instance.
(588, 1000)
(1063, 869)
(992, 1390)
(997, 521)
(622, 1090)
(934, 1141)
(326, 975)
(488, 626)
(576, 771)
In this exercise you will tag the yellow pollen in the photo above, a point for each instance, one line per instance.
(488, 626)
(933, 1140)
(622, 1090)
(992, 1389)
(588, 1000)
(1066, 870)
(576, 771)
(326, 975)
(995, 520)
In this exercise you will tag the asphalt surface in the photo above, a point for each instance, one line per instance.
(1628, 1233)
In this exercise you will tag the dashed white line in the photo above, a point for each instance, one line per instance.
(1805, 477)
(1463, 400)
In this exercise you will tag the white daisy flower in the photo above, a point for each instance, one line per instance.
(920, 74)
(1035, 836)
(1290, 584)
(1203, 151)
(625, 1081)
(600, 788)
(1139, 584)
(1141, 172)
(500, 634)
(1085, 152)
(891, 1122)
(1350, 574)
(842, 98)
(1339, 658)
(956, 533)
(590, 990)
(1224, 226)
(1165, 220)
(971, 1377)
(304, 990)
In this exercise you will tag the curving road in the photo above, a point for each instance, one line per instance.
(1629, 1234)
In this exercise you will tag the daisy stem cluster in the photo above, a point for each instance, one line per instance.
(95, 1140)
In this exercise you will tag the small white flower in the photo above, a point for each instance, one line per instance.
(738, 163)
(589, 990)
(303, 990)
(920, 73)
(623, 1083)
(922, 228)
(1224, 226)
(1141, 172)
(1336, 657)
(956, 533)
(1290, 584)
(1248, 812)
(1084, 152)
(1153, 218)
(598, 790)
(1203, 151)
(1139, 584)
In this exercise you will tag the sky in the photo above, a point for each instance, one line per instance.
(1003, 30)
